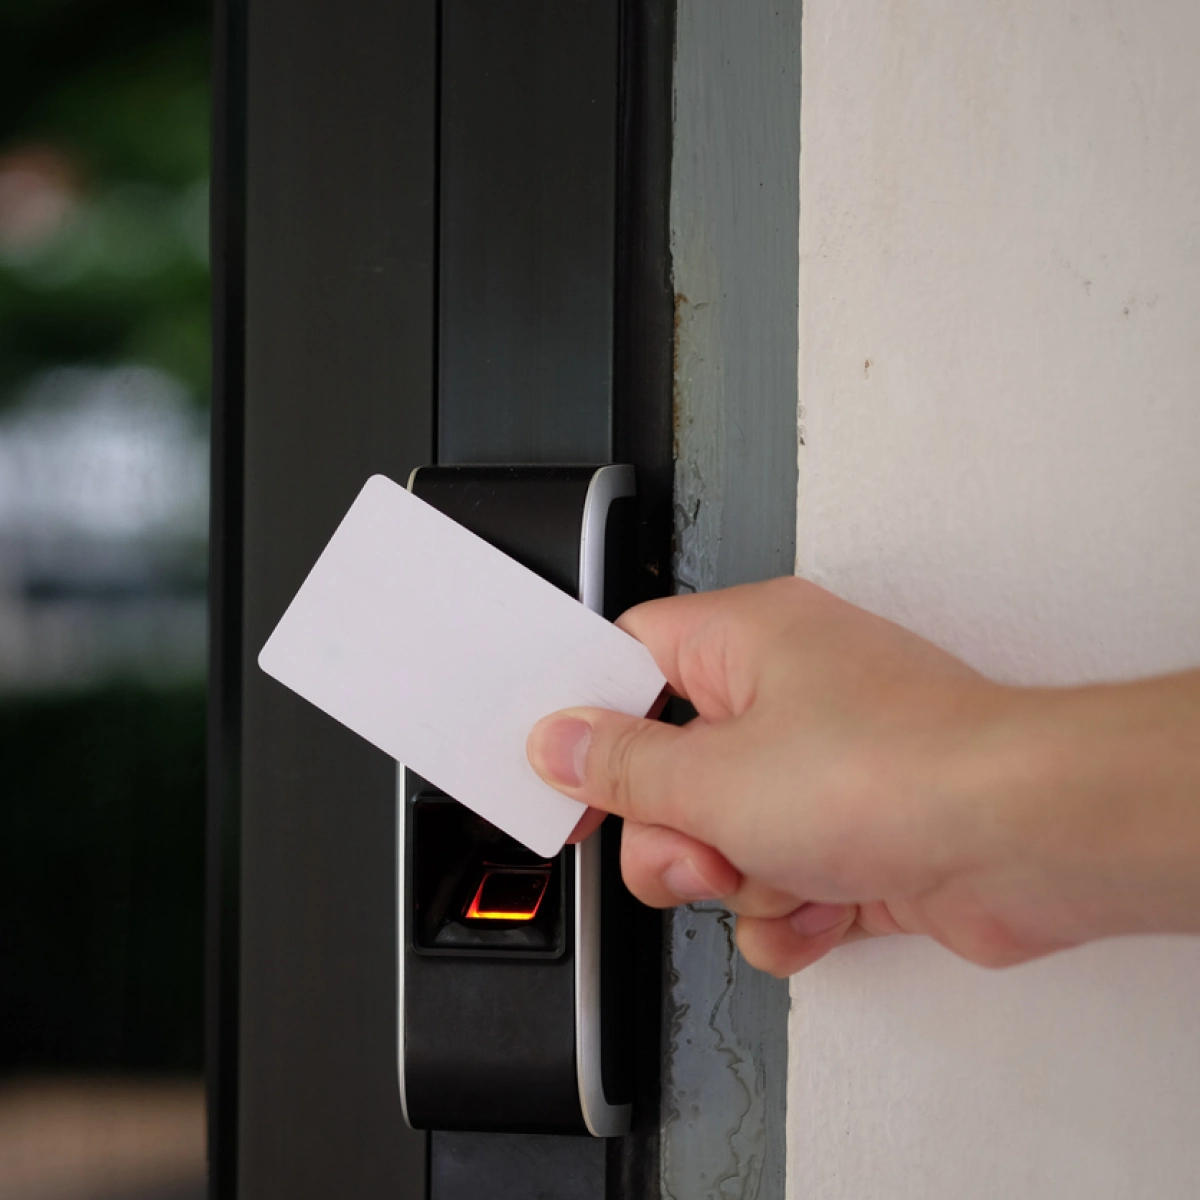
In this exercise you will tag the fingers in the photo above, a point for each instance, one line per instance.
(784, 945)
(663, 868)
(588, 824)
(667, 625)
(709, 644)
(642, 770)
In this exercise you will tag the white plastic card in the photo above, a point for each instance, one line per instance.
(443, 652)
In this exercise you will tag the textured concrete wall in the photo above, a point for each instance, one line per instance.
(734, 201)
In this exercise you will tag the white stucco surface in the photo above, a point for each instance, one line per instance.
(1000, 392)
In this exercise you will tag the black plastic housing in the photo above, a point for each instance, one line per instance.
(490, 1012)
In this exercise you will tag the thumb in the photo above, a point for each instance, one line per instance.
(624, 765)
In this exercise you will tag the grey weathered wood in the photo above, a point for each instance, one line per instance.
(735, 229)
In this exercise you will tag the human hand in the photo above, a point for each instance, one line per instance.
(846, 778)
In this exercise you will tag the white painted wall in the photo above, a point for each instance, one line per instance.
(1000, 389)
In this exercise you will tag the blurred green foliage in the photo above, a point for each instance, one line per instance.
(102, 809)
(119, 91)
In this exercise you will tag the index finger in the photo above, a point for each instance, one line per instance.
(709, 644)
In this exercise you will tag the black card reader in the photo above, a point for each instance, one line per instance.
(514, 990)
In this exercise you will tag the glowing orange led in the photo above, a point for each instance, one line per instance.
(508, 894)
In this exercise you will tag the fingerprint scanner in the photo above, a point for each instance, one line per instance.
(508, 894)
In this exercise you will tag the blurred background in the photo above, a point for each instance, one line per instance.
(104, 362)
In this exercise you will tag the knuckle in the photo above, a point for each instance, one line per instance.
(761, 952)
(993, 949)
(757, 900)
(987, 941)
(771, 964)
(655, 776)
(627, 783)
(636, 868)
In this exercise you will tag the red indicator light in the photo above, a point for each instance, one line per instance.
(509, 894)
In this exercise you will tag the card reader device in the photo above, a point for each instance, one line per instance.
(514, 991)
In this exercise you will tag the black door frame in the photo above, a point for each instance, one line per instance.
(330, 181)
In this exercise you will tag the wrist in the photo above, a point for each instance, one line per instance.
(1095, 797)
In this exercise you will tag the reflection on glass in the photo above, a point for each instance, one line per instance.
(103, 511)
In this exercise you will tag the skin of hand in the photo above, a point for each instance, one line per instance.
(845, 778)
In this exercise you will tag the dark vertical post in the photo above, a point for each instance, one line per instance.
(555, 346)
(339, 383)
(227, 241)
(527, 196)
(528, 193)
